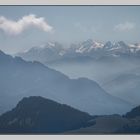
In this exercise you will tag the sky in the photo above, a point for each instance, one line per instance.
(23, 27)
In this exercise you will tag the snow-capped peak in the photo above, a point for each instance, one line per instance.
(53, 50)
(134, 47)
(51, 44)
(88, 45)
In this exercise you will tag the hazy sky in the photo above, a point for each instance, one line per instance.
(22, 27)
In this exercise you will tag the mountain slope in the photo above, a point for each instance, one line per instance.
(133, 127)
(113, 124)
(135, 112)
(20, 79)
(125, 85)
(40, 115)
(109, 124)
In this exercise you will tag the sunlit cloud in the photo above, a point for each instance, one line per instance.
(16, 27)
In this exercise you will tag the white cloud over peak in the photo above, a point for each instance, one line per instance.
(16, 27)
(124, 26)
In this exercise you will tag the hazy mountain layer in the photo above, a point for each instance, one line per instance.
(20, 78)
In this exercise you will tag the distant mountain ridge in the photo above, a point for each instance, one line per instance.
(55, 51)
(48, 51)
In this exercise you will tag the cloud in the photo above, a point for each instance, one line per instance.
(124, 26)
(16, 27)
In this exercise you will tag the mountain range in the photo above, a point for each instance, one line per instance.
(20, 78)
(53, 51)
(88, 88)
(115, 66)
(87, 59)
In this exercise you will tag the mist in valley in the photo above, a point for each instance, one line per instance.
(120, 78)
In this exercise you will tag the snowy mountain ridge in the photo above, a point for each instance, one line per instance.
(52, 51)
